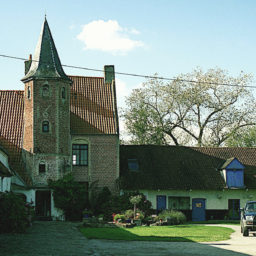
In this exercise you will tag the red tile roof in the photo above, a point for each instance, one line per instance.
(93, 111)
(11, 130)
(93, 106)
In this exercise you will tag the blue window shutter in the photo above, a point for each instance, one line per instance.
(239, 178)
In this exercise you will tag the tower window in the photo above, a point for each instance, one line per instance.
(80, 154)
(29, 92)
(45, 91)
(45, 126)
(63, 93)
(42, 168)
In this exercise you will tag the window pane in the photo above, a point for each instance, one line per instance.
(83, 157)
(79, 154)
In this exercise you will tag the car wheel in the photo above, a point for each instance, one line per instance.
(245, 232)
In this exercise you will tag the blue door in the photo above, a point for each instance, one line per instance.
(160, 203)
(198, 209)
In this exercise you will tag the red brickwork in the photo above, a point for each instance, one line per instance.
(103, 160)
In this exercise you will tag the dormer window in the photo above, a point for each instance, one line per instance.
(233, 172)
(45, 91)
(133, 165)
(45, 126)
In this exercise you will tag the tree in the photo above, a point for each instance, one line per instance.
(69, 196)
(205, 112)
(243, 138)
(135, 200)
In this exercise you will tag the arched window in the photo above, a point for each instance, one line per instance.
(42, 167)
(45, 126)
(63, 93)
(45, 91)
(28, 92)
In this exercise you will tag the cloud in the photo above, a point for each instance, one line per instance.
(108, 36)
(123, 90)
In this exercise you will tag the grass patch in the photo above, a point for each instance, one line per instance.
(224, 222)
(181, 233)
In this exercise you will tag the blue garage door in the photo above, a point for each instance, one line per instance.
(160, 203)
(198, 209)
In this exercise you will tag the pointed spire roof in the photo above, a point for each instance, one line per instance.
(46, 62)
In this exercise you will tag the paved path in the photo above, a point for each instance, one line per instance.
(63, 239)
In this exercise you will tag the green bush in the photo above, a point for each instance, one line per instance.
(129, 214)
(172, 217)
(139, 214)
(13, 213)
(119, 217)
(70, 196)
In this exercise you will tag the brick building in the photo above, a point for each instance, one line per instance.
(59, 124)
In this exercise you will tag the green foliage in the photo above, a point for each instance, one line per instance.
(120, 203)
(13, 213)
(119, 217)
(172, 217)
(99, 200)
(70, 196)
(243, 138)
(179, 112)
(128, 214)
(135, 199)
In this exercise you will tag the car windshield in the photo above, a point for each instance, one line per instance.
(251, 207)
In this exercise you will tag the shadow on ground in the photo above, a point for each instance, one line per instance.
(64, 239)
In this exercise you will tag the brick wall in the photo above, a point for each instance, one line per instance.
(50, 148)
(103, 160)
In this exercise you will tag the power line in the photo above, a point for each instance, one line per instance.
(138, 75)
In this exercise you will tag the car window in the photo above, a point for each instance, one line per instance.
(250, 207)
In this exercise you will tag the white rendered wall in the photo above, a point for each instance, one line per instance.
(215, 200)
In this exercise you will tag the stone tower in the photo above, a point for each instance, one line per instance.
(46, 140)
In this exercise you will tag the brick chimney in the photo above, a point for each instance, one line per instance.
(28, 64)
(109, 73)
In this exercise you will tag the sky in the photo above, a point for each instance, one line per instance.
(168, 37)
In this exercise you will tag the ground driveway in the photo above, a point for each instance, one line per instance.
(63, 239)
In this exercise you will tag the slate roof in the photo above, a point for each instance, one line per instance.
(46, 62)
(93, 106)
(183, 168)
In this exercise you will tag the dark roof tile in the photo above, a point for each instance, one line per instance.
(172, 167)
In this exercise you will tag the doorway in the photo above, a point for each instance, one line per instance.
(198, 209)
(43, 203)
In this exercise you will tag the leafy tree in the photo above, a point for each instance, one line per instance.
(243, 138)
(135, 200)
(188, 113)
(13, 213)
(69, 196)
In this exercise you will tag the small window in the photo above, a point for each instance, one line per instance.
(133, 165)
(29, 92)
(79, 154)
(45, 126)
(42, 168)
(63, 93)
(45, 91)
